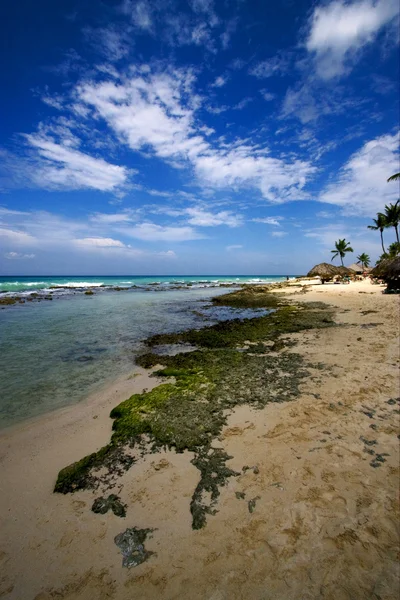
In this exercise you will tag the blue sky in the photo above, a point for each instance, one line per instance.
(197, 137)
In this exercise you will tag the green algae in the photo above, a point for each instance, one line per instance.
(230, 334)
(237, 362)
(249, 296)
(214, 474)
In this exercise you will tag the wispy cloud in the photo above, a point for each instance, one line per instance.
(220, 81)
(157, 110)
(18, 256)
(113, 42)
(99, 242)
(268, 220)
(151, 232)
(202, 218)
(58, 166)
(276, 65)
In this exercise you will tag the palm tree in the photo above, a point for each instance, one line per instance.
(341, 247)
(394, 177)
(392, 216)
(380, 224)
(364, 259)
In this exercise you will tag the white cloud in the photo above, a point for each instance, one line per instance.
(203, 218)
(99, 242)
(220, 81)
(151, 232)
(167, 254)
(361, 187)
(140, 13)
(16, 237)
(339, 30)
(361, 240)
(55, 101)
(233, 247)
(324, 214)
(277, 65)
(112, 42)
(278, 234)
(268, 96)
(17, 256)
(227, 34)
(268, 220)
(141, 16)
(156, 111)
(180, 30)
(62, 167)
(243, 103)
(107, 218)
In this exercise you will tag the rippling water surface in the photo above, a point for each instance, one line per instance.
(53, 354)
(27, 285)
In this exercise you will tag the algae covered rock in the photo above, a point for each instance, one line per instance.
(103, 505)
(131, 544)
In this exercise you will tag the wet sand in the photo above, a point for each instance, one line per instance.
(324, 522)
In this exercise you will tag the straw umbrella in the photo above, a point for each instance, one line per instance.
(389, 271)
(346, 270)
(325, 271)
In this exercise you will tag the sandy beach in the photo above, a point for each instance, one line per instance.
(323, 485)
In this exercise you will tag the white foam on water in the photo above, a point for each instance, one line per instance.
(77, 284)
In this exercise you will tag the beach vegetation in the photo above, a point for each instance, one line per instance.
(379, 225)
(393, 252)
(364, 259)
(394, 177)
(392, 217)
(341, 249)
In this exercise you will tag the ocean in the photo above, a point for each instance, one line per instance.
(65, 284)
(53, 354)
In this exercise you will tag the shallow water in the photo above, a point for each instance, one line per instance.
(53, 354)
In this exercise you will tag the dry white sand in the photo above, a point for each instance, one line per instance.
(325, 525)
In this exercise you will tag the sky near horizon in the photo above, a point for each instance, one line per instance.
(197, 137)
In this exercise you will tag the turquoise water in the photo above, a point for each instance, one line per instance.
(30, 284)
(53, 354)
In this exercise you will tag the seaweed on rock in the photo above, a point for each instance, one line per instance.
(211, 463)
(188, 414)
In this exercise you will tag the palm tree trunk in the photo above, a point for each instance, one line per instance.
(383, 247)
(341, 258)
(397, 232)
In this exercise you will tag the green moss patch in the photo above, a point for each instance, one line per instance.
(237, 362)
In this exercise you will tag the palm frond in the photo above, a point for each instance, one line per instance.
(394, 177)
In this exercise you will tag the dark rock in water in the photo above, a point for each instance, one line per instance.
(131, 544)
(113, 502)
(84, 358)
(88, 293)
(8, 301)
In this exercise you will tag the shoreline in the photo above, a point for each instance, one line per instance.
(58, 438)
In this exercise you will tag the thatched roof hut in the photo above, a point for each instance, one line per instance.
(345, 271)
(389, 271)
(380, 268)
(356, 267)
(325, 271)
